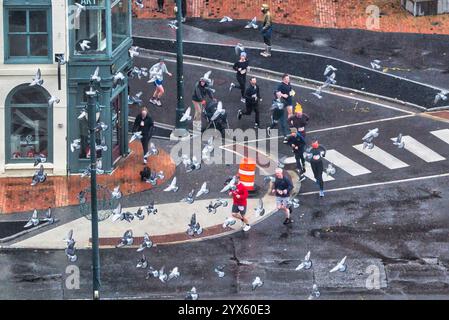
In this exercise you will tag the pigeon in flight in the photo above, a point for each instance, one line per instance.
(260, 210)
(268, 179)
(293, 203)
(203, 190)
(136, 136)
(101, 126)
(440, 96)
(139, 3)
(85, 45)
(151, 208)
(375, 64)
(194, 227)
(252, 24)
(399, 142)
(207, 79)
(154, 177)
(174, 273)
(48, 217)
(37, 80)
(142, 263)
(315, 292)
(85, 173)
(152, 272)
(239, 48)
(116, 193)
(133, 52)
(257, 283)
(70, 249)
(207, 150)
(192, 294)
(81, 197)
(52, 101)
(139, 214)
(136, 99)
(152, 151)
(369, 138)
(172, 187)
(117, 79)
(146, 243)
(219, 271)
(83, 114)
(33, 221)
(230, 185)
(96, 76)
(306, 264)
(38, 159)
(126, 240)
(173, 24)
(39, 177)
(212, 207)
(186, 116)
(341, 266)
(190, 197)
(226, 19)
(162, 275)
(330, 170)
(229, 222)
(329, 68)
(218, 112)
(118, 214)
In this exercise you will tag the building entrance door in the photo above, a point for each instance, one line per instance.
(117, 127)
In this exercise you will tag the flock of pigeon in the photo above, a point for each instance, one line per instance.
(368, 139)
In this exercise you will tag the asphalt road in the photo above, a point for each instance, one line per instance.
(398, 229)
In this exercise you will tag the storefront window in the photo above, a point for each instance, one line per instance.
(28, 121)
(119, 21)
(90, 28)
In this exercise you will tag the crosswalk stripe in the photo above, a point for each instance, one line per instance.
(346, 164)
(382, 157)
(442, 134)
(420, 150)
(309, 172)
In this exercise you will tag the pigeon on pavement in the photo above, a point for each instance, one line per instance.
(126, 240)
(306, 264)
(192, 294)
(172, 187)
(226, 19)
(151, 208)
(174, 273)
(48, 216)
(219, 271)
(194, 227)
(142, 263)
(260, 210)
(33, 221)
(212, 207)
(116, 193)
(146, 243)
(257, 283)
(399, 142)
(190, 197)
(252, 24)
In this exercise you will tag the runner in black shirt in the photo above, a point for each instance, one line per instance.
(252, 97)
(299, 120)
(242, 67)
(315, 155)
(287, 93)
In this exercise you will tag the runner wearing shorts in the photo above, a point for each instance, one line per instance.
(157, 72)
(240, 195)
(282, 187)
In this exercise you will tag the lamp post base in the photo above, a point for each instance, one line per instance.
(179, 134)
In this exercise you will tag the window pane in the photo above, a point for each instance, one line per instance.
(92, 28)
(29, 132)
(17, 21)
(29, 95)
(17, 45)
(119, 22)
(39, 45)
(38, 21)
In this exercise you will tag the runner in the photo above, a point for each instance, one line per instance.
(242, 67)
(157, 76)
(239, 196)
(278, 116)
(267, 30)
(316, 155)
(200, 93)
(252, 98)
(298, 143)
(282, 187)
(287, 93)
(299, 120)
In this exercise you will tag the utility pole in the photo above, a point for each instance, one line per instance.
(92, 98)
(180, 127)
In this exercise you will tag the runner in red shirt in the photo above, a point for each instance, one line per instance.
(239, 195)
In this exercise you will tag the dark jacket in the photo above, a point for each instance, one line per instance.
(250, 91)
(147, 129)
(200, 93)
(242, 65)
(283, 184)
(286, 89)
(316, 154)
(297, 141)
(299, 123)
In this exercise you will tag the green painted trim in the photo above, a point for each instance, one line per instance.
(23, 5)
(8, 107)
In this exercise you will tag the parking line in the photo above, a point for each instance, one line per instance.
(346, 164)
(442, 134)
(382, 157)
(420, 150)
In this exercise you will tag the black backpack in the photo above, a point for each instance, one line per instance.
(145, 174)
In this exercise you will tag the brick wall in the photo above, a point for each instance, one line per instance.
(316, 13)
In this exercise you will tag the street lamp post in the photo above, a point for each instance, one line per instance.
(92, 111)
(180, 127)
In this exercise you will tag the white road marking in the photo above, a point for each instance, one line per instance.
(346, 164)
(441, 134)
(382, 157)
(362, 186)
(420, 150)
(309, 172)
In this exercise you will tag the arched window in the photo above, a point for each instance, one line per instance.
(28, 124)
